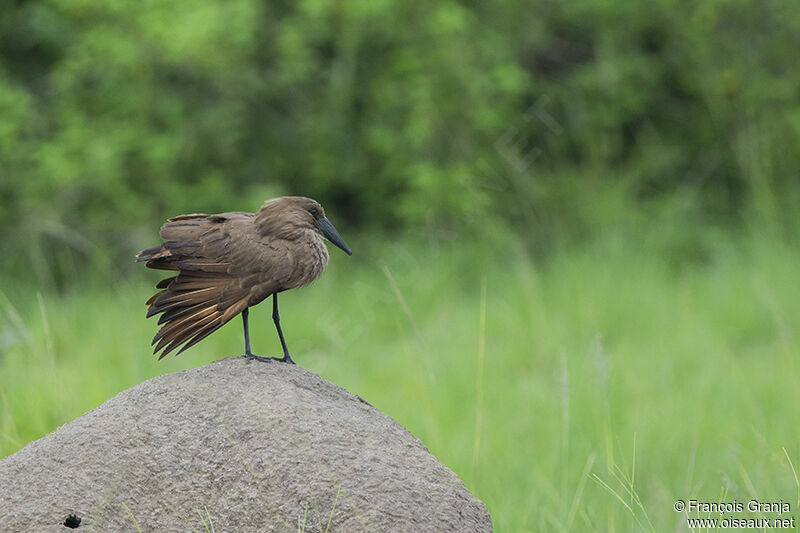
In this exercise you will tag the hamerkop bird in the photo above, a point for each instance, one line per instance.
(229, 262)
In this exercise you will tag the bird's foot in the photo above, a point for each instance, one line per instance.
(285, 359)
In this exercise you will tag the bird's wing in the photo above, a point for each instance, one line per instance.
(224, 267)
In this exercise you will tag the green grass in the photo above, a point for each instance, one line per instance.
(587, 392)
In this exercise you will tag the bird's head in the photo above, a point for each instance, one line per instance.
(289, 215)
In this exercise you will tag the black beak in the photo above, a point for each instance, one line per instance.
(331, 234)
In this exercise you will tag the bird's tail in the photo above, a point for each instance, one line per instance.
(182, 241)
(201, 297)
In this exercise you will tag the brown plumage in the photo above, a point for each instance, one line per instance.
(229, 262)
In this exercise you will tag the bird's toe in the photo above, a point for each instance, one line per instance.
(250, 357)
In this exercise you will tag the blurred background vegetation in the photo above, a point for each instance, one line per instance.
(552, 120)
(620, 176)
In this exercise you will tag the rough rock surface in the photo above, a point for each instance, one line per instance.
(243, 446)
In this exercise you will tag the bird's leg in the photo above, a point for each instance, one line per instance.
(277, 319)
(248, 355)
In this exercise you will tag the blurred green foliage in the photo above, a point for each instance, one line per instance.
(556, 116)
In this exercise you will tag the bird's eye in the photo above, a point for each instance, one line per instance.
(314, 212)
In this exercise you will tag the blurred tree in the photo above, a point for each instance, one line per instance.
(545, 114)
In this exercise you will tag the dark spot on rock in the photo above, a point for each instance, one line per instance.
(72, 521)
(362, 400)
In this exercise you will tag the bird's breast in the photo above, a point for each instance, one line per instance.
(311, 258)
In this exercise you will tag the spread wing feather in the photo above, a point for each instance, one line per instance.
(220, 273)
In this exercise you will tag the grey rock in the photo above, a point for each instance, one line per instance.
(234, 447)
